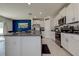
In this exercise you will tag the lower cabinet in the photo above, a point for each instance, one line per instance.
(12, 46)
(64, 41)
(71, 43)
(74, 45)
(31, 46)
(23, 46)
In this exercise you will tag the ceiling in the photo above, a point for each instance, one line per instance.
(23, 10)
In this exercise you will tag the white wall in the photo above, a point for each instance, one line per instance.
(53, 21)
(47, 32)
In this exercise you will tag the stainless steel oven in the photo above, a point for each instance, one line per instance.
(58, 36)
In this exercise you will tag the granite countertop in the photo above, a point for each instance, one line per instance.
(32, 33)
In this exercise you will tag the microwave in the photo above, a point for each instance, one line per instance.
(62, 21)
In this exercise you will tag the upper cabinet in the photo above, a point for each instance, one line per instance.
(61, 14)
(69, 13)
(72, 13)
(76, 10)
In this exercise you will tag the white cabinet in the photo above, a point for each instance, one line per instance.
(75, 11)
(76, 7)
(74, 45)
(61, 14)
(12, 46)
(64, 41)
(69, 14)
(31, 46)
(71, 43)
(72, 13)
(22, 45)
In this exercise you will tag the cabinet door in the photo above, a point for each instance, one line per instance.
(69, 14)
(75, 11)
(64, 40)
(12, 46)
(31, 46)
(77, 8)
(74, 45)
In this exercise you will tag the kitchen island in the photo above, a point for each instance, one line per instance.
(23, 44)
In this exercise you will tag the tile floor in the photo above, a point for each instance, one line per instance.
(54, 48)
